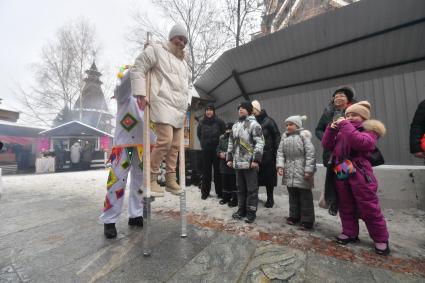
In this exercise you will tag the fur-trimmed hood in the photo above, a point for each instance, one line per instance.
(181, 54)
(375, 126)
(302, 132)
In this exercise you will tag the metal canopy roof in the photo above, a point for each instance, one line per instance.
(366, 36)
(74, 128)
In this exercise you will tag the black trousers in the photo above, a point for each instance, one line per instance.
(247, 183)
(301, 204)
(210, 161)
(228, 182)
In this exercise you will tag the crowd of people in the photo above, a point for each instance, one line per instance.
(252, 152)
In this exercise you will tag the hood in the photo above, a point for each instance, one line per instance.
(170, 47)
(375, 126)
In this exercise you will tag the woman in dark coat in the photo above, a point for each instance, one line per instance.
(417, 131)
(267, 175)
(210, 128)
(341, 99)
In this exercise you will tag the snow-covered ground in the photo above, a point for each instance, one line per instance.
(406, 226)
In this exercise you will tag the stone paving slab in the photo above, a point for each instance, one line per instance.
(52, 234)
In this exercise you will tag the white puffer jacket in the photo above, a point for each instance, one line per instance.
(296, 156)
(170, 86)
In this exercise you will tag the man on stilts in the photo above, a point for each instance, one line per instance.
(126, 156)
(169, 101)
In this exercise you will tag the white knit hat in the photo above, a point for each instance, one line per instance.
(256, 105)
(297, 120)
(178, 30)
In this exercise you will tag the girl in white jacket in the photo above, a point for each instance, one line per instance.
(296, 162)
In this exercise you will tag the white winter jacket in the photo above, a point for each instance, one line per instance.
(170, 86)
(296, 156)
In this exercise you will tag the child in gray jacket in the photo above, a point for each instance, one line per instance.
(296, 162)
(244, 153)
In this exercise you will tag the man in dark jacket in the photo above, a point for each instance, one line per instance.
(267, 175)
(341, 99)
(209, 130)
(417, 131)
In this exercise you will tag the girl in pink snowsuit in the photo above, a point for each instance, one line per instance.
(354, 138)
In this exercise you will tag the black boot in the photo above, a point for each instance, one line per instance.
(110, 231)
(240, 214)
(250, 216)
(270, 201)
(136, 221)
(233, 202)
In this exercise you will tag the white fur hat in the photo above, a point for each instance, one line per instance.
(178, 30)
(256, 105)
(297, 120)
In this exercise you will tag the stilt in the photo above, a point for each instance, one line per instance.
(182, 179)
(147, 167)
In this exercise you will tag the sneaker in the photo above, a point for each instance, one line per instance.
(382, 248)
(136, 221)
(306, 226)
(344, 239)
(292, 221)
(250, 217)
(109, 230)
(239, 215)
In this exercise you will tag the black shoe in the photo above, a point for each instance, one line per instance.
(383, 252)
(233, 203)
(306, 226)
(269, 203)
(204, 197)
(137, 221)
(250, 217)
(109, 230)
(239, 215)
(223, 201)
(344, 242)
(333, 210)
(292, 220)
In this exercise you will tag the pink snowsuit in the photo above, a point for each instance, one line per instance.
(357, 194)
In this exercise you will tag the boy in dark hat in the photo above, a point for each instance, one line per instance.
(244, 153)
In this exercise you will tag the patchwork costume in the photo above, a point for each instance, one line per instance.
(126, 156)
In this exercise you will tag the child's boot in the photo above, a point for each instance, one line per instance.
(250, 216)
(240, 214)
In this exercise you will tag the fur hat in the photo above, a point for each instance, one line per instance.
(247, 106)
(362, 108)
(256, 105)
(347, 90)
(297, 120)
(178, 30)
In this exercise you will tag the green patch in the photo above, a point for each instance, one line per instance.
(128, 122)
(125, 164)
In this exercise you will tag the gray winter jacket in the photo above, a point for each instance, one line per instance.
(246, 143)
(296, 156)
